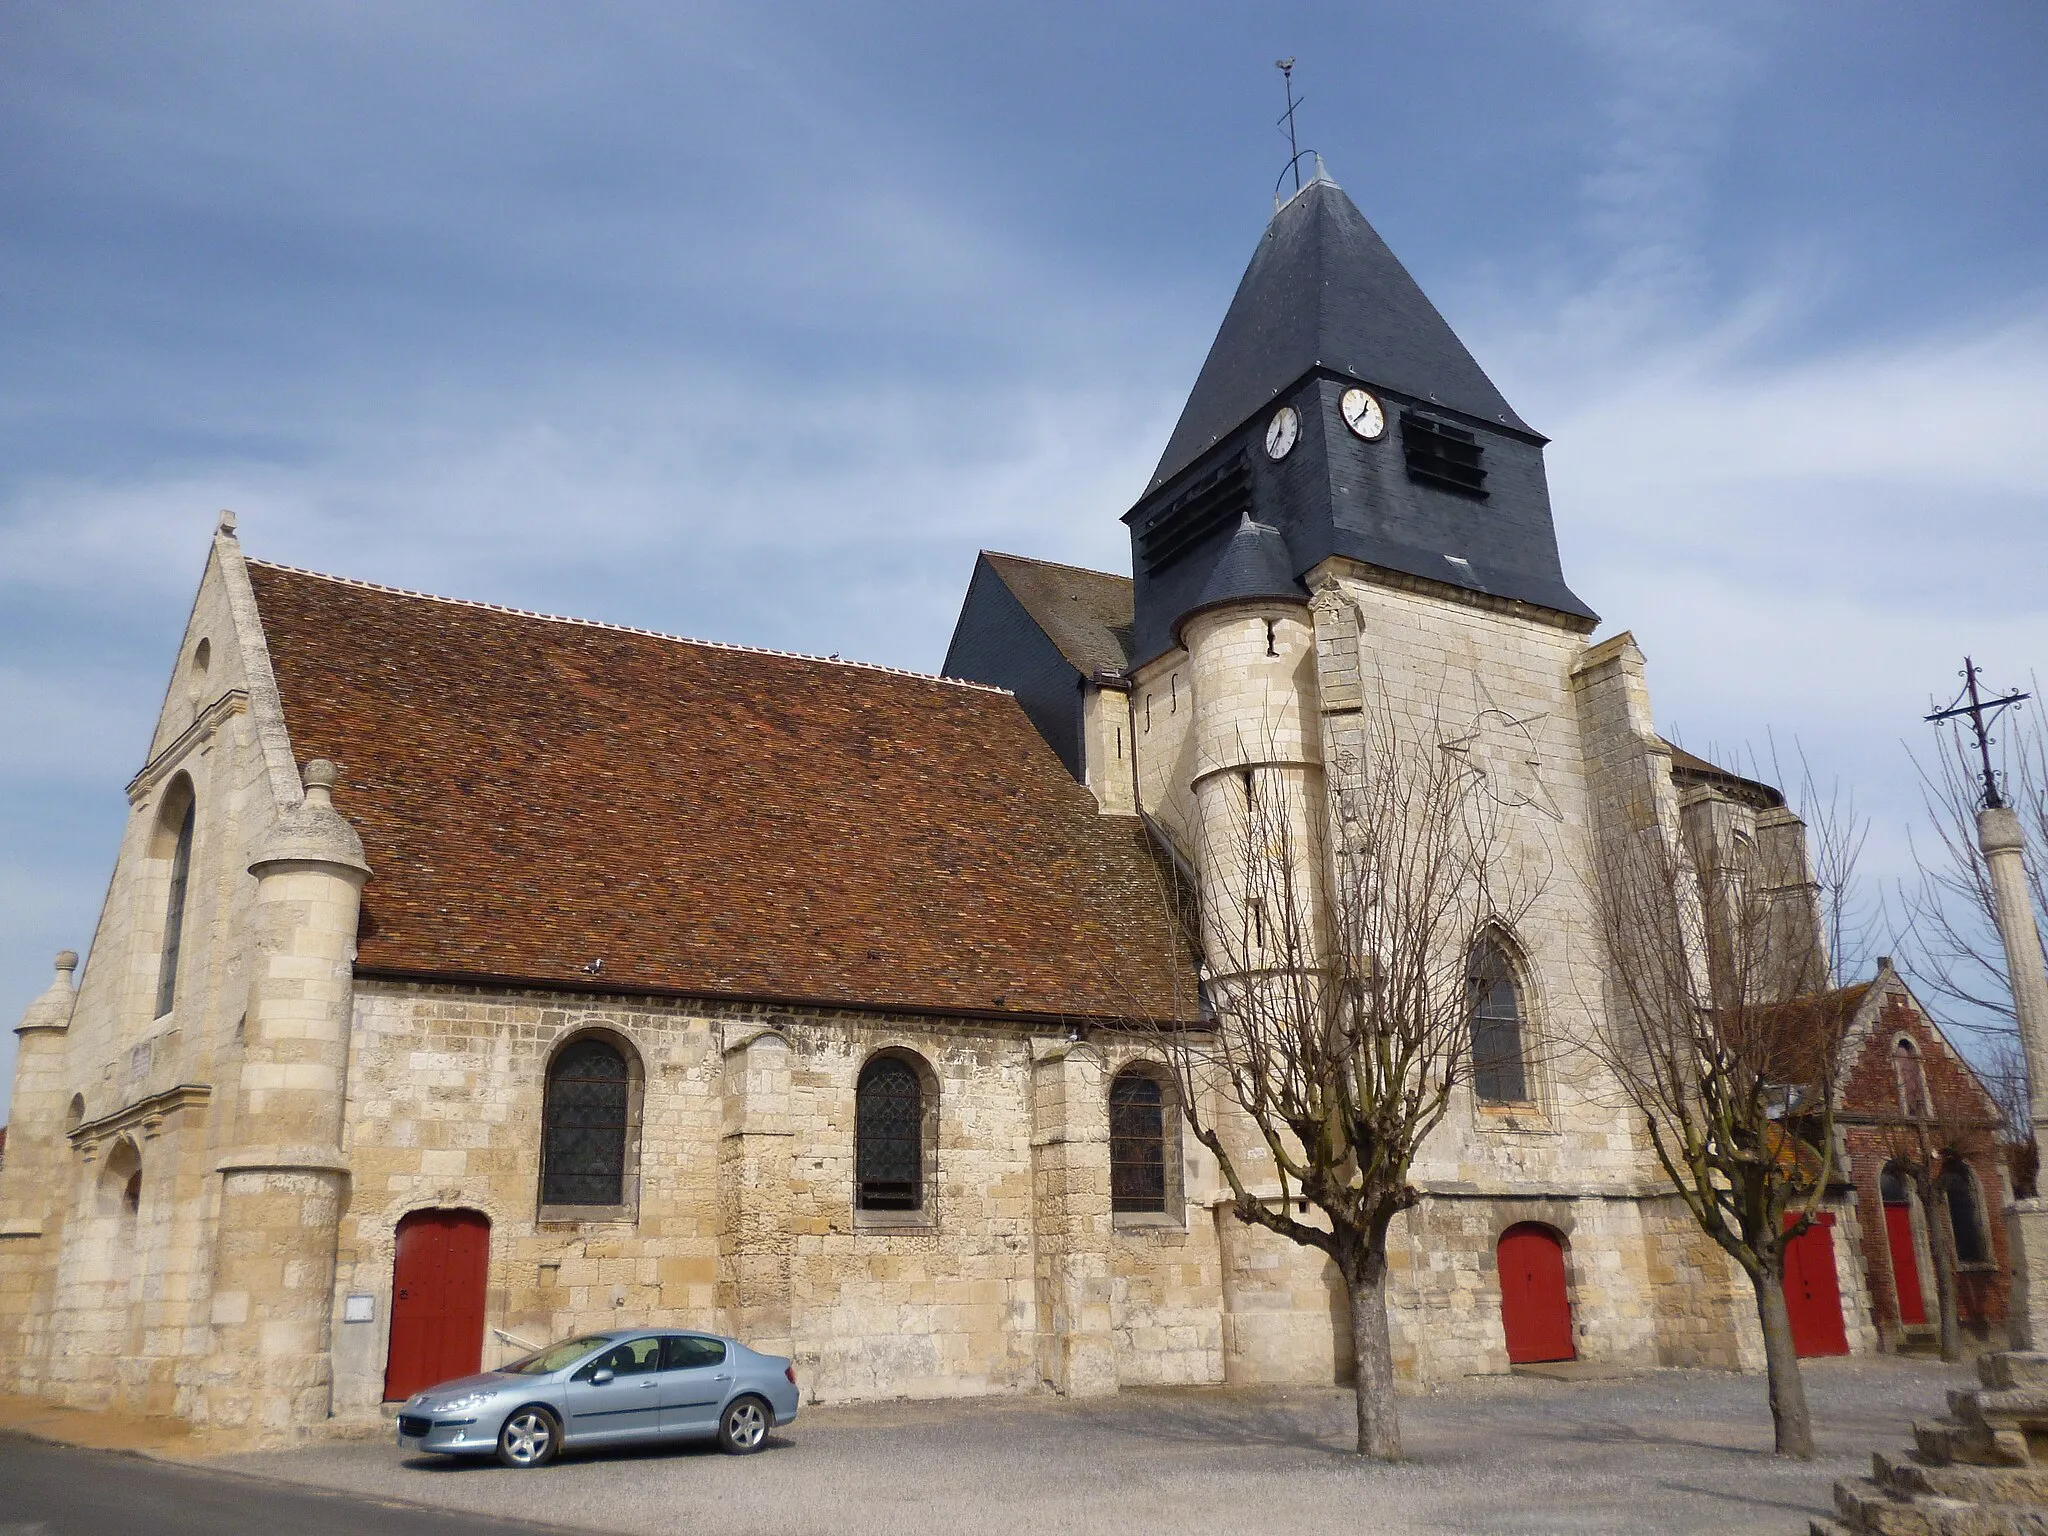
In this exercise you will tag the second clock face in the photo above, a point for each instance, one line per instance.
(1363, 414)
(1282, 432)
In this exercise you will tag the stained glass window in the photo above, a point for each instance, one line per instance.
(1499, 1075)
(583, 1156)
(1137, 1143)
(889, 1136)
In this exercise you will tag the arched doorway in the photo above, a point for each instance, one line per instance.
(1535, 1308)
(437, 1300)
(1904, 1249)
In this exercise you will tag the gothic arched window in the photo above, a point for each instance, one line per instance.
(587, 1123)
(1499, 1072)
(1138, 1161)
(888, 1151)
(174, 839)
(1911, 1078)
(1965, 1213)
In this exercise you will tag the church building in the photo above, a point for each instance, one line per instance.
(470, 977)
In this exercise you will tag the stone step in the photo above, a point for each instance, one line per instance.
(1820, 1526)
(1906, 1477)
(1942, 1442)
(1864, 1507)
(2011, 1368)
(2015, 1406)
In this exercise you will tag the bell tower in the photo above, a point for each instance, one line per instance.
(1338, 408)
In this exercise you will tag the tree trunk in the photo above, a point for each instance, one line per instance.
(1791, 1424)
(1379, 1427)
(1941, 1240)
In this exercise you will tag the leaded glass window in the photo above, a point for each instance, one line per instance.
(174, 913)
(583, 1157)
(889, 1136)
(1137, 1143)
(1965, 1214)
(1499, 1074)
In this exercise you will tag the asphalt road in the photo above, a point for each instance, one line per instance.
(53, 1490)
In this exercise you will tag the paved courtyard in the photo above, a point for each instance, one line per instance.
(1667, 1451)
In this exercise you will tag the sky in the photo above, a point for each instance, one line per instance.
(755, 322)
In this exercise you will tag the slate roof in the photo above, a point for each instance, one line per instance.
(1688, 767)
(1086, 614)
(1255, 565)
(1324, 290)
(536, 793)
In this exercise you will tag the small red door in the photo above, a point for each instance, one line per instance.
(1898, 1230)
(437, 1300)
(1535, 1311)
(1812, 1296)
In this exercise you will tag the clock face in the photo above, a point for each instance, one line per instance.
(1282, 432)
(1363, 414)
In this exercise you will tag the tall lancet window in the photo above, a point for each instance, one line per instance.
(174, 902)
(1499, 1073)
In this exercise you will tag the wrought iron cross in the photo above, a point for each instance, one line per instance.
(1286, 119)
(1980, 712)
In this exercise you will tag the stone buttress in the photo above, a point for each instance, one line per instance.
(36, 1171)
(283, 1188)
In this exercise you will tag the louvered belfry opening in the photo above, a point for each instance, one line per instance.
(1442, 455)
(1214, 501)
(889, 1136)
(588, 1106)
(1137, 1143)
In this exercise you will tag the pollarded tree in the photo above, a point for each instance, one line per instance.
(1339, 972)
(1723, 1033)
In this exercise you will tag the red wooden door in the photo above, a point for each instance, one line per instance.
(1812, 1296)
(437, 1300)
(1898, 1231)
(1535, 1311)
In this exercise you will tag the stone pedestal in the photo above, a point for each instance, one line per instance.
(1070, 1195)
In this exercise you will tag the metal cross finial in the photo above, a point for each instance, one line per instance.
(1980, 712)
(1286, 119)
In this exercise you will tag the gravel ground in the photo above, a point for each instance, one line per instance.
(1667, 1451)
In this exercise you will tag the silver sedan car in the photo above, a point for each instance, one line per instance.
(627, 1386)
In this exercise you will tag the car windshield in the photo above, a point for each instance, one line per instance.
(558, 1356)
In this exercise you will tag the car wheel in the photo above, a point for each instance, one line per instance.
(743, 1427)
(530, 1438)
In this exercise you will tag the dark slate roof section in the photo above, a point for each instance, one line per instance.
(1324, 291)
(1686, 768)
(999, 642)
(1087, 614)
(1255, 566)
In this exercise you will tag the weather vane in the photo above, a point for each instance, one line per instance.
(1980, 712)
(1285, 123)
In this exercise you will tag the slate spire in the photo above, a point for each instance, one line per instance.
(1340, 413)
(1323, 290)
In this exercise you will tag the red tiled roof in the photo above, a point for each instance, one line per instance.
(535, 794)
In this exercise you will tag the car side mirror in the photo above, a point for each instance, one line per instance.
(601, 1375)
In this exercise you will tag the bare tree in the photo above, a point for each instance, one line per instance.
(1936, 1130)
(1338, 943)
(1721, 1034)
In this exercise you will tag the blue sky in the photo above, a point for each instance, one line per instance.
(755, 322)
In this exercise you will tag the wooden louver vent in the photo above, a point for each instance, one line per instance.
(1442, 455)
(1216, 500)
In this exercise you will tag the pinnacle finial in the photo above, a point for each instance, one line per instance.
(67, 962)
(320, 777)
(226, 526)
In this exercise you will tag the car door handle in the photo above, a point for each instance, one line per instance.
(648, 1386)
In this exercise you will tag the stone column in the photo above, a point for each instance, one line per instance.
(1071, 1218)
(282, 1189)
(2003, 844)
(34, 1171)
(755, 1240)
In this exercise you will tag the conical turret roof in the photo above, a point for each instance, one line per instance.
(1324, 290)
(1255, 566)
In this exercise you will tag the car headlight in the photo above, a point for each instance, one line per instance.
(465, 1402)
